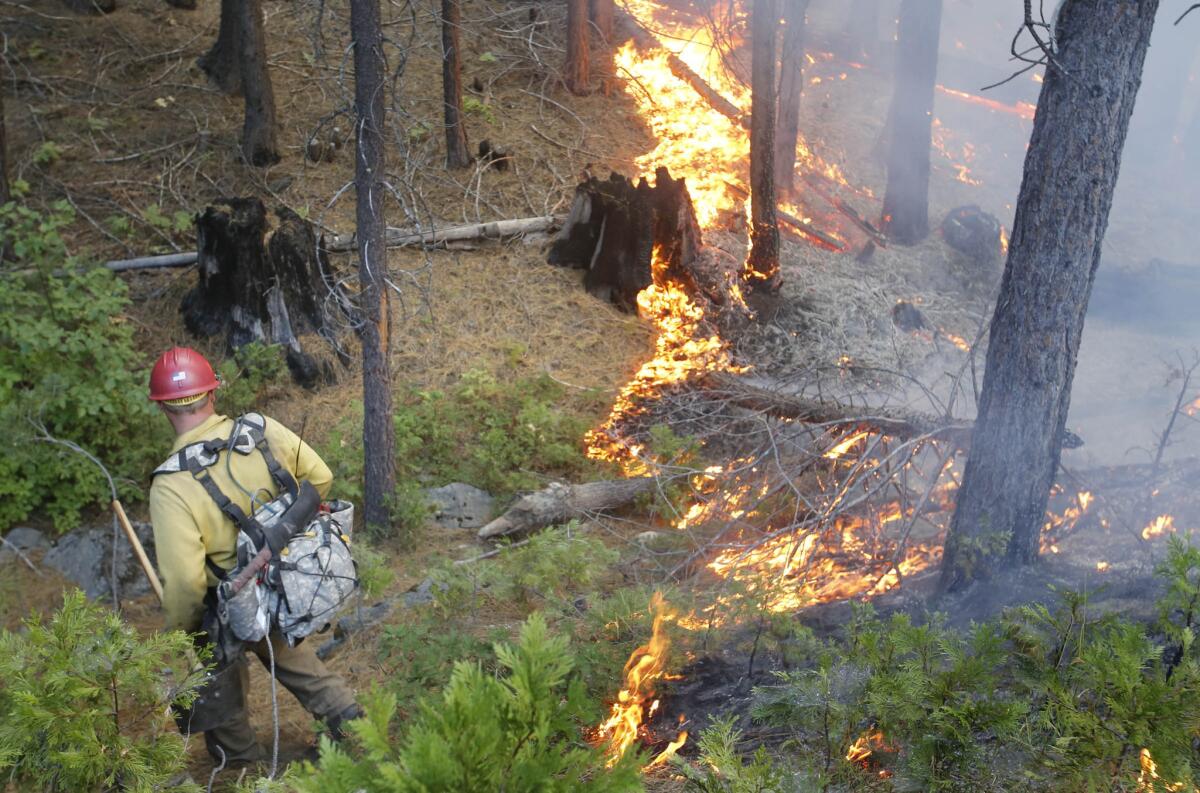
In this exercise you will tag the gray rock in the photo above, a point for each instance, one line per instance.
(421, 594)
(84, 557)
(23, 539)
(460, 506)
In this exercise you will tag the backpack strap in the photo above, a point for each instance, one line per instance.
(255, 427)
(244, 522)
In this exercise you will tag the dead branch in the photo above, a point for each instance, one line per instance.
(895, 422)
(559, 503)
(500, 229)
(1189, 10)
(804, 227)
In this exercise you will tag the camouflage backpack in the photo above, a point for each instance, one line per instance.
(294, 571)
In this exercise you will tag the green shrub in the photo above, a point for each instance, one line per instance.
(67, 362)
(723, 771)
(374, 573)
(419, 656)
(246, 377)
(83, 702)
(518, 731)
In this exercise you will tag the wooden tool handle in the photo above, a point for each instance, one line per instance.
(138, 549)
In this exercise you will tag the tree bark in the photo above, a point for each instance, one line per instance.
(791, 84)
(576, 71)
(762, 266)
(258, 131)
(602, 13)
(906, 202)
(379, 434)
(5, 193)
(1071, 167)
(560, 503)
(221, 62)
(457, 154)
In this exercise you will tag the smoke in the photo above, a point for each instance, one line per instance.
(1144, 309)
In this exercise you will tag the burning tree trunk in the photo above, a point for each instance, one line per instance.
(237, 61)
(1070, 170)
(906, 202)
(379, 433)
(457, 155)
(577, 78)
(601, 13)
(614, 228)
(762, 266)
(791, 83)
(261, 279)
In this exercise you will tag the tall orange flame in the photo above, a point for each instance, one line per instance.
(645, 666)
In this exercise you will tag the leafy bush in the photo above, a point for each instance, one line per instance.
(246, 377)
(67, 362)
(515, 732)
(420, 656)
(83, 702)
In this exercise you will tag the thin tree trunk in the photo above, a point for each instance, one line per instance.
(906, 202)
(457, 155)
(601, 13)
(791, 84)
(5, 194)
(379, 434)
(258, 131)
(762, 266)
(577, 76)
(221, 62)
(1071, 168)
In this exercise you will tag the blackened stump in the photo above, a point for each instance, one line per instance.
(614, 228)
(262, 279)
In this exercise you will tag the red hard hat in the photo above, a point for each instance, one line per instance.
(179, 373)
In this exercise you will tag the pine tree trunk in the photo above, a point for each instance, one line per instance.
(221, 62)
(576, 71)
(379, 434)
(906, 202)
(457, 154)
(791, 84)
(258, 131)
(5, 194)
(762, 266)
(602, 13)
(1071, 168)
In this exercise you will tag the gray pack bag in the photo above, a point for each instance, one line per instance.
(316, 578)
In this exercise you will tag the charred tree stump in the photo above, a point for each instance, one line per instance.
(614, 229)
(906, 202)
(262, 279)
(457, 153)
(1071, 169)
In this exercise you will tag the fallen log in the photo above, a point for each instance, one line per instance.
(153, 262)
(559, 503)
(850, 212)
(495, 230)
(814, 233)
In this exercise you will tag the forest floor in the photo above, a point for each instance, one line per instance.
(110, 114)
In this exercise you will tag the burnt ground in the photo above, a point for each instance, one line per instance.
(111, 115)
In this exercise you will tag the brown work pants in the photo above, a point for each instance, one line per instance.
(321, 692)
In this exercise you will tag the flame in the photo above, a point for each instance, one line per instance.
(1058, 525)
(626, 723)
(1022, 109)
(1193, 408)
(957, 341)
(865, 747)
(1148, 779)
(845, 444)
(1159, 526)
(1003, 241)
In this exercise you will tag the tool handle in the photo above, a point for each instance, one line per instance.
(144, 560)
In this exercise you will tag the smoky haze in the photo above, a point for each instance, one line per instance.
(1145, 306)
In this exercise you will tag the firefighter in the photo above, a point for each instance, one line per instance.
(195, 541)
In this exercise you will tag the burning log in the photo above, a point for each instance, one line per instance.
(559, 503)
(263, 278)
(614, 228)
(804, 227)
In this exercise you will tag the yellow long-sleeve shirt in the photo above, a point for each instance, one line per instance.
(188, 525)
